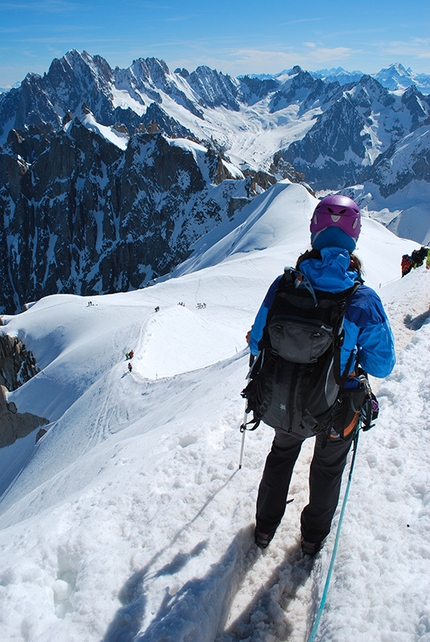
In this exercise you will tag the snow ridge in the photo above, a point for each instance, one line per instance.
(130, 519)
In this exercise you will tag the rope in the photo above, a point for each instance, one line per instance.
(336, 543)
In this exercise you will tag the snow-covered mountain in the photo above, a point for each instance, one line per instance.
(366, 121)
(204, 103)
(112, 216)
(129, 519)
(399, 192)
(342, 76)
(108, 176)
(395, 77)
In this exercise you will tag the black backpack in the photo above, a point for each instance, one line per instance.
(295, 381)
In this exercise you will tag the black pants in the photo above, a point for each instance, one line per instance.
(325, 477)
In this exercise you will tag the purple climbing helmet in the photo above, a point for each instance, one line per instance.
(342, 215)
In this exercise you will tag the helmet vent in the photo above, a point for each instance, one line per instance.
(335, 211)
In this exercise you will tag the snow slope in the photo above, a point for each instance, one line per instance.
(130, 521)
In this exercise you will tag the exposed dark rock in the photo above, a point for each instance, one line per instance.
(339, 150)
(13, 424)
(254, 89)
(167, 124)
(330, 155)
(82, 215)
(89, 218)
(214, 88)
(282, 169)
(418, 106)
(304, 90)
(258, 182)
(17, 364)
(403, 162)
(40, 433)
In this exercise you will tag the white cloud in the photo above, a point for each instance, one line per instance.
(324, 54)
(260, 61)
(419, 47)
(316, 54)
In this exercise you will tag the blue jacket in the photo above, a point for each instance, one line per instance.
(367, 330)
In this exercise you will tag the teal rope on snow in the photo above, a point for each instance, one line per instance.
(336, 544)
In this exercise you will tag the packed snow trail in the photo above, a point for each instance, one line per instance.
(130, 519)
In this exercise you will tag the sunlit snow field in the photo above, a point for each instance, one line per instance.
(130, 521)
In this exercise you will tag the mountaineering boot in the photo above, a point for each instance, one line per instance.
(310, 548)
(262, 539)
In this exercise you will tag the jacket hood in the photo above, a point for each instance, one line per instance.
(332, 272)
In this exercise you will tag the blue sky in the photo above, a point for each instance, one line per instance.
(235, 37)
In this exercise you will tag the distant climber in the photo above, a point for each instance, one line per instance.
(419, 256)
(406, 264)
(130, 367)
(415, 260)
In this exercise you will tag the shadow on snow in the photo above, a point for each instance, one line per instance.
(199, 610)
(417, 322)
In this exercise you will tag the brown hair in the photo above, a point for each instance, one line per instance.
(355, 263)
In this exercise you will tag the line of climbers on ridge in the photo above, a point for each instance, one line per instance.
(129, 355)
(416, 259)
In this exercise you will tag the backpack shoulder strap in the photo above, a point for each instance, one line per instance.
(286, 281)
(340, 376)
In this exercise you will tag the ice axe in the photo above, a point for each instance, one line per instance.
(243, 429)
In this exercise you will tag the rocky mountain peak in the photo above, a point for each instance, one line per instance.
(87, 71)
(107, 177)
(215, 89)
(152, 69)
